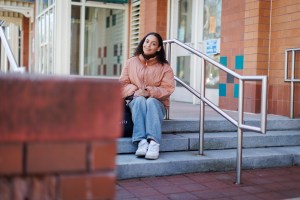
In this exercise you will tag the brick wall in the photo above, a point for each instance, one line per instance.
(285, 34)
(256, 49)
(232, 47)
(40, 161)
(153, 17)
(247, 35)
(57, 170)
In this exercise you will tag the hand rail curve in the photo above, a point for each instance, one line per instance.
(236, 75)
(203, 100)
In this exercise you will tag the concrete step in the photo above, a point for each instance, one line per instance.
(218, 124)
(218, 141)
(172, 163)
(279, 147)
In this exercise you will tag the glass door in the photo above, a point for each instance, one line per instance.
(195, 23)
(185, 26)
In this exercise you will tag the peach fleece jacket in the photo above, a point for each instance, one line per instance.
(156, 78)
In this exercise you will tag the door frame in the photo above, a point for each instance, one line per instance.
(180, 93)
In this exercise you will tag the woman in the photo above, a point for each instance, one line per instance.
(150, 79)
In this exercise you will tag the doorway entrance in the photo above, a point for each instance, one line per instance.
(195, 23)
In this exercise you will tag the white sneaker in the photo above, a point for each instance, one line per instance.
(142, 148)
(153, 151)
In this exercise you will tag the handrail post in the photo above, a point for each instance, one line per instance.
(292, 86)
(239, 160)
(264, 104)
(202, 107)
(240, 132)
(292, 100)
(169, 60)
(169, 52)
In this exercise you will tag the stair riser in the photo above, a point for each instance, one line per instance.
(185, 142)
(189, 162)
(175, 126)
(248, 142)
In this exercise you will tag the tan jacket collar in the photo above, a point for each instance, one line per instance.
(149, 62)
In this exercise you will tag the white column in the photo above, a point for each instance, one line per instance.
(14, 41)
(62, 38)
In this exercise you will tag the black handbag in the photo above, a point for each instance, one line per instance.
(127, 121)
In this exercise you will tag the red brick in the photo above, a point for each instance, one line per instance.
(56, 157)
(297, 110)
(20, 188)
(11, 159)
(42, 108)
(153, 17)
(103, 155)
(82, 187)
(73, 187)
(5, 189)
(43, 188)
(103, 186)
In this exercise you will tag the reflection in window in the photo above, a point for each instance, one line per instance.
(212, 75)
(185, 21)
(212, 30)
(100, 35)
(75, 40)
(183, 69)
(212, 19)
(44, 5)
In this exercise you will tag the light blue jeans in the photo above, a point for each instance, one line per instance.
(147, 117)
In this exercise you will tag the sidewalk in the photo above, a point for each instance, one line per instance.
(272, 183)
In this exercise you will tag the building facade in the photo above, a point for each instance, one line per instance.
(254, 37)
(95, 37)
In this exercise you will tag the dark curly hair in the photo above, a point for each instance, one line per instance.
(160, 56)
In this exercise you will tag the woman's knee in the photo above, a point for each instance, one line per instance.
(152, 101)
(138, 101)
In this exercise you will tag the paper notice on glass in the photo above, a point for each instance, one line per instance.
(212, 24)
(212, 46)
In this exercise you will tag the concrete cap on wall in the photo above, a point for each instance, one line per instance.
(58, 108)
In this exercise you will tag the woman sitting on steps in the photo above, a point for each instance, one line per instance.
(149, 79)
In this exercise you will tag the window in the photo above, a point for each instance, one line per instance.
(185, 21)
(104, 31)
(115, 50)
(107, 22)
(114, 20)
(45, 36)
(115, 69)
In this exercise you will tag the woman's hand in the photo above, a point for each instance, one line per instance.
(142, 92)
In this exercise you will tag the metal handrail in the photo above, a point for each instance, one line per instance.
(292, 79)
(203, 100)
(8, 51)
